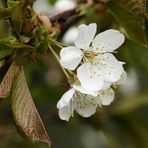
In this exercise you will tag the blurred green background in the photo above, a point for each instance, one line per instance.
(123, 124)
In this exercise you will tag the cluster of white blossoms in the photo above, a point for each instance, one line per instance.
(96, 71)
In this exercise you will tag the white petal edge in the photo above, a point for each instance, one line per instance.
(106, 85)
(90, 77)
(84, 91)
(64, 113)
(123, 79)
(85, 35)
(70, 57)
(65, 99)
(107, 96)
(108, 41)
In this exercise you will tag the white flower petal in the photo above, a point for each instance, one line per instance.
(65, 100)
(90, 77)
(107, 96)
(111, 68)
(108, 41)
(122, 63)
(106, 85)
(84, 91)
(123, 79)
(70, 36)
(87, 107)
(85, 35)
(63, 5)
(64, 113)
(70, 57)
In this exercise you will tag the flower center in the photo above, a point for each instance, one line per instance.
(90, 55)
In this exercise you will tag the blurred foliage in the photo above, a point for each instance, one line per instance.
(52, 2)
(122, 124)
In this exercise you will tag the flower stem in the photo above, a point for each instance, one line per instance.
(57, 43)
(58, 59)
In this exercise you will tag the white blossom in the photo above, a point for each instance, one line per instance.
(64, 5)
(94, 55)
(84, 104)
(70, 35)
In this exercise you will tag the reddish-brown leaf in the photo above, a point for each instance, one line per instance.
(25, 113)
(6, 83)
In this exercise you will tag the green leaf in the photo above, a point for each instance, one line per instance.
(43, 46)
(133, 24)
(4, 53)
(17, 17)
(11, 43)
(52, 2)
(12, 3)
(7, 47)
(4, 13)
(136, 54)
(18, 45)
(4, 48)
(6, 83)
(134, 6)
(25, 113)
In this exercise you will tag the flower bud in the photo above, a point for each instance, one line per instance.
(45, 22)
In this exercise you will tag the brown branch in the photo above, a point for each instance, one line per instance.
(62, 17)
(66, 19)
